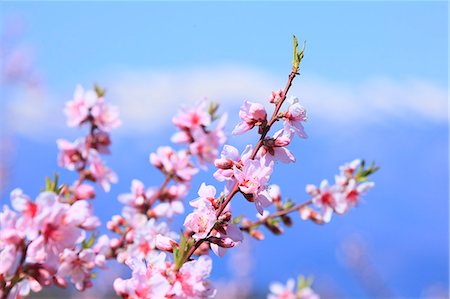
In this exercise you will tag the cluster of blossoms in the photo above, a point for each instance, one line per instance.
(157, 278)
(144, 233)
(83, 155)
(50, 240)
(349, 185)
(46, 241)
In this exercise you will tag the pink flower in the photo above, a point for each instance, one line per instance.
(10, 239)
(77, 265)
(138, 196)
(106, 117)
(38, 276)
(294, 117)
(347, 172)
(81, 214)
(147, 281)
(276, 96)
(193, 117)
(252, 114)
(29, 211)
(171, 201)
(9, 255)
(191, 280)
(58, 231)
(72, 156)
(77, 110)
(275, 148)
(252, 180)
(205, 193)
(103, 175)
(354, 190)
(327, 198)
(205, 143)
(102, 248)
(228, 159)
(280, 291)
(83, 191)
(228, 236)
(202, 220)
(87, 104)
(176, 163)
(143, 243)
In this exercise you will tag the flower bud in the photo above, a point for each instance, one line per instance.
(258, 235)
(222, 242)
(223, 163)
(84, 192)
(165, 243)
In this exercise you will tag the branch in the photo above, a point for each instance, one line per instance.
(235, 188)
(249, 226)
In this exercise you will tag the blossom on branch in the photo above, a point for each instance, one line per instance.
(251, 114)
(252, 180)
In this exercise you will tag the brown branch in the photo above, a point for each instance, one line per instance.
(160, 190)
(266, 130)
(276, 214)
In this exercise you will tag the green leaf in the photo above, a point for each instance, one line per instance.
(52, 185)
(298, 56)
(237, 219)
(304, 282)
(273, 221)
(212, 110)
(89, 242)
(363, 173)
(180, 253)
(99, 91)
(295, 62)
(288, 204)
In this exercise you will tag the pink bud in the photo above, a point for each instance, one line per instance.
(129, 237)
(165, 243)
(222, 242)
(223, 163)
(276, 96)
(258, 235)
(111, 225)
(84, 192)
(115, 243)
(60, 282)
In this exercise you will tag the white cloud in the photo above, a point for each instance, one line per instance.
(148, 99)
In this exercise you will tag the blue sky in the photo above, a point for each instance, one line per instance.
(374, 81)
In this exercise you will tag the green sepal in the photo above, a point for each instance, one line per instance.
(99, 91)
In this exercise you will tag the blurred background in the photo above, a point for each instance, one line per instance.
(374, 81)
